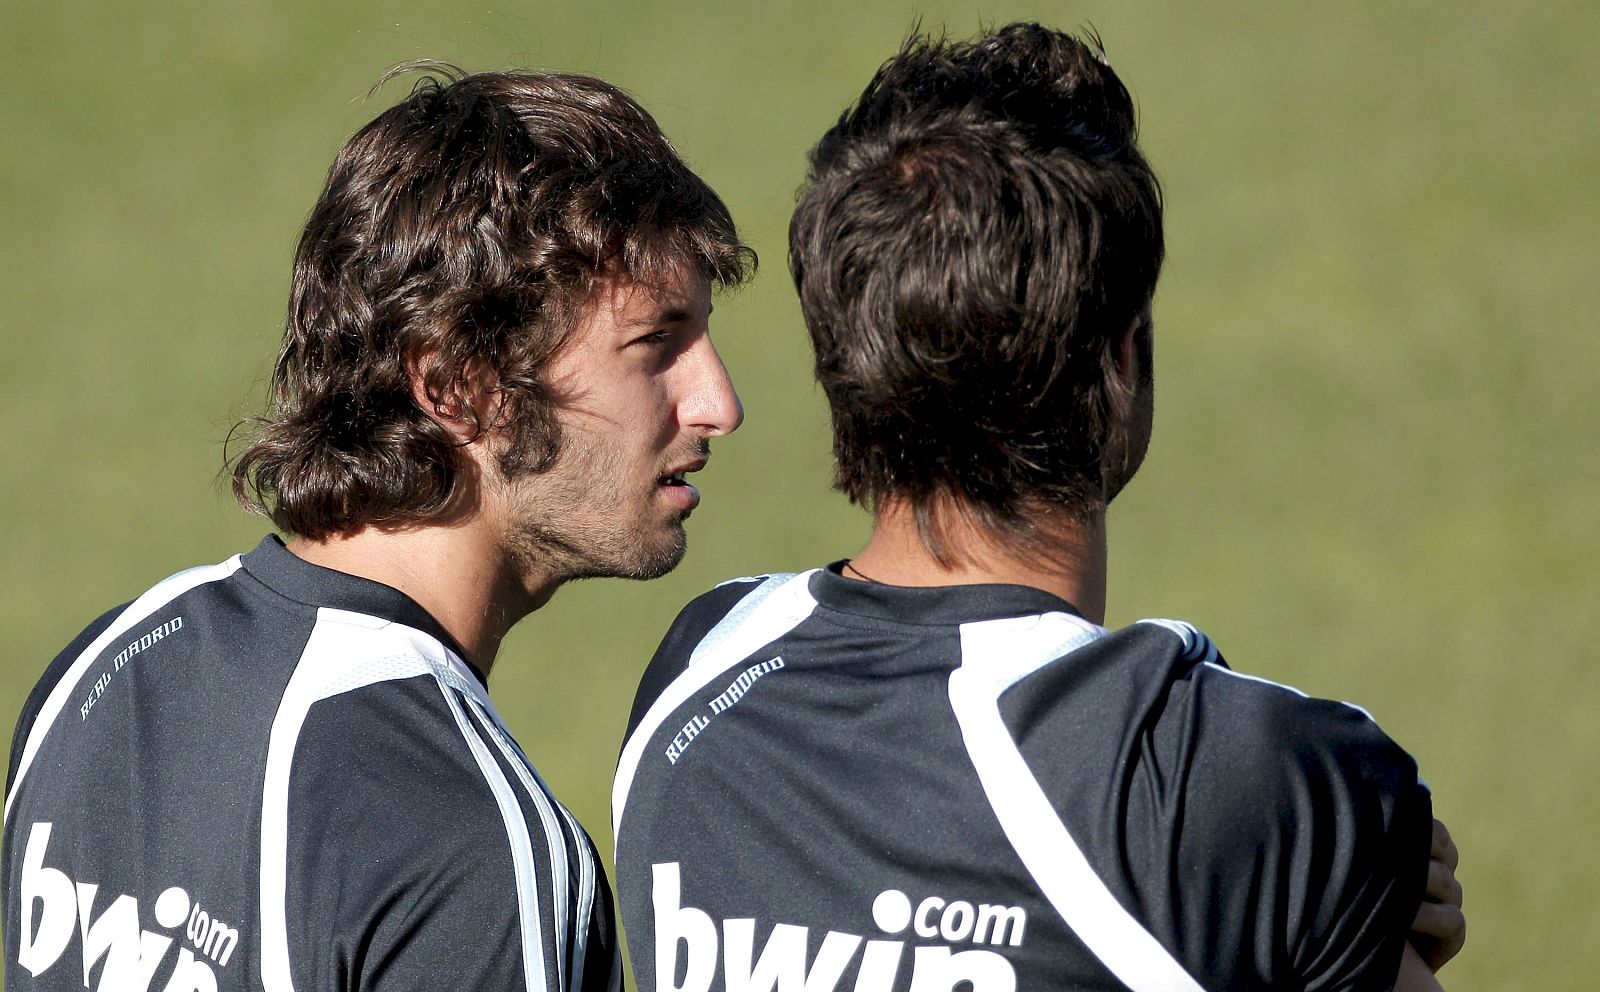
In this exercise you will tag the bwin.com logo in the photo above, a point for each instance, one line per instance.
(55, 908)
(782, 963)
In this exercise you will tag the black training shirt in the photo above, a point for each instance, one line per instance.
(837, 785)
(264, 774)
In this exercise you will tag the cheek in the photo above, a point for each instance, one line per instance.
(636, 435)
(630, 414)
(655, 415)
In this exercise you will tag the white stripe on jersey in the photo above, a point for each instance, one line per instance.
(338, 658)
(155, 598)
(1198, 647)
(586, 866)
(556, 842)
(1225, 670)
(586, 878)
(771, 610)
(533, 973)
(995, 654)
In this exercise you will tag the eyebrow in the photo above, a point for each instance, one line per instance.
(676, 315)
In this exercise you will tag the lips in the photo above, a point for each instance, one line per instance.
(676, 476)
(677, 490)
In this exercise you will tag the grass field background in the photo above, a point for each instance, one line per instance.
(1374, 473)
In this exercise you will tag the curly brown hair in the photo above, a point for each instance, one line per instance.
(459, 234)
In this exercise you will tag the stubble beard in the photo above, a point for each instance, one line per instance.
(567, 556)
(576, 521)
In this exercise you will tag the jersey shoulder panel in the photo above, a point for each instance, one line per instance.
(1300, 827)
(693, 623)
(408, 795)
(53, 673)
(1274, 737)
(387, 802)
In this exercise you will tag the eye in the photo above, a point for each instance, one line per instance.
(656, 338)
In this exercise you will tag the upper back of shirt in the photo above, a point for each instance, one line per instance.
(844, 785)
(262, 774)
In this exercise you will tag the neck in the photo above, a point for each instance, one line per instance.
(457, 572)
(1067, 560)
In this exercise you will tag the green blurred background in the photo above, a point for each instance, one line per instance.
(1374, 473)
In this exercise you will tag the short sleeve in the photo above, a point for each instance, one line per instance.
(1311, 826)
(1372, 823)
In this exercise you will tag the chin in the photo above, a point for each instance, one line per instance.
(596, 551)
(653, 567)
(646, 558)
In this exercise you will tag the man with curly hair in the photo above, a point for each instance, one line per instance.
(284, 771)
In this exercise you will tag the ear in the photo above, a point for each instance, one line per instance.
(467, 407)
(1128, 354)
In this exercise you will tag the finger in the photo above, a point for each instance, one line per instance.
(1439, 920)
(1438, 933)
(1444, 847)
(1442, 885)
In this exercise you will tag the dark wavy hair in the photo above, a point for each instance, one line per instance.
(458, 236)
(975, 235)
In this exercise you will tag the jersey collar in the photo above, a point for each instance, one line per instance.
(940, 605)
(289, 575)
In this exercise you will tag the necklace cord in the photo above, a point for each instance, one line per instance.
(850, 567)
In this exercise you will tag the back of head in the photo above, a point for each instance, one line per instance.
(976, 235)
(458, 236)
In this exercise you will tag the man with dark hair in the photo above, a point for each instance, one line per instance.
(283, 771)
(929, 767)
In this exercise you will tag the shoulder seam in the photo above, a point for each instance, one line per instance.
(1196, 645)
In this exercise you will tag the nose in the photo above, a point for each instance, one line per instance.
(712, 405)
